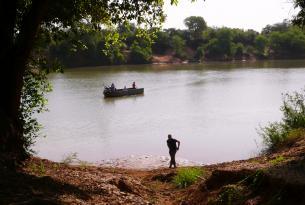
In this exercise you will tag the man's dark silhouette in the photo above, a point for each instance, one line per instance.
(173, 148)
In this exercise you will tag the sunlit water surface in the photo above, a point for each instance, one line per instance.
(214, 109)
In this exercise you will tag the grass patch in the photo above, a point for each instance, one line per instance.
(277, 160)
(187, 176)
(230, 195)
(38, 169)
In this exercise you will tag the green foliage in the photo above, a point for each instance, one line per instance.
(178, 45)
(239, 51)
(141, 48)
(299, 19)
(278, 27)
(292, 124)
(196, 25)
(288, 44)
(199, 55)
(33, 101)
(38, 169)
(113, 47)
(230, 195)
(70, 158)
(221, 47)
(261, 45)
(162, 43)
(187, 176)
(277, 160)
(134, 43)
(257, 180)
(140, 55)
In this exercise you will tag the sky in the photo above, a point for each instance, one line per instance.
(245, 14)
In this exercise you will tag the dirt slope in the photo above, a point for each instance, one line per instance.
(278, 178)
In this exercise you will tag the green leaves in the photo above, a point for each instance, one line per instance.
(187, 176)
(33, 101)
(292, 124)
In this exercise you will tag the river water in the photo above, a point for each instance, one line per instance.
(214, 109)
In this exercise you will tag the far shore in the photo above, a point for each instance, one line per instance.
(262, 62)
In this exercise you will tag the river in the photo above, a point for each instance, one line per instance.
(214, 109)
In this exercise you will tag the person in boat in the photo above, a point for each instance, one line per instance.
(173, 146)
(112, 87)
(134, 85)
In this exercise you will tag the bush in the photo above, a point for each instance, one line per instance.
(187, 176)
(33, 101)
(292, 125)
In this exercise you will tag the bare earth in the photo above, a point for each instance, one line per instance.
(278, 177)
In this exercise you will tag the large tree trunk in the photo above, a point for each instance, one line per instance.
(14, 56)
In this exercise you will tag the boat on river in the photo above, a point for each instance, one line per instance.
(112, 92)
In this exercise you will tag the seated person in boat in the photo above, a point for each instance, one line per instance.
(134, 85)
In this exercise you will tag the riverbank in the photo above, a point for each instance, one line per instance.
(277, 178)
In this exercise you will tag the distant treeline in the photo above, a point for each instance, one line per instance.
(128, 44)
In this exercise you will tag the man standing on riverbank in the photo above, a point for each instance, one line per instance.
(173, 148)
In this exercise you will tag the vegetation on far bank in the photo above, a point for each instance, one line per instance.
(199, 42)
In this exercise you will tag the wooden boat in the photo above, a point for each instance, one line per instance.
(110, 92)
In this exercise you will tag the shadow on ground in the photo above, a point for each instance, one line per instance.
(23, 188)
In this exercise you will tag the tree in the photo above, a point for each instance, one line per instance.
(245, 37)
(178, 45)
(199, 55)
(220, 47)
(139, 54)
(162, 42)
(23, 23)
(290, 44)
(239, 51)
(299, 19)
(261, 45)
(141, 51)
(196, 25)
(280, 27)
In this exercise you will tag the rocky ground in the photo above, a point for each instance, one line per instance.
(277, 178)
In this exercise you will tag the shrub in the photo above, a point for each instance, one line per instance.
(70, 158)
(230, 194)
(291, 126)
(33, 101)
(187, 176)
(273, 135)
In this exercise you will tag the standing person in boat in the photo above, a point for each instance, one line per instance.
(112, 86)
(173, 148)
(134, 85)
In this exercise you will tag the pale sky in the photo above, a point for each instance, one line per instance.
(245, 14)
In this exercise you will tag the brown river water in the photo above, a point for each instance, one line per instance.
(214, 109)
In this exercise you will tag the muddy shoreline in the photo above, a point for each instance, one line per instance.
(276, 176)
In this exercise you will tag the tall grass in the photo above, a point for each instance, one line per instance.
(187, 176)
(291, 126)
